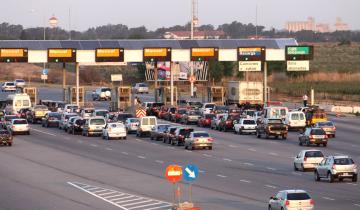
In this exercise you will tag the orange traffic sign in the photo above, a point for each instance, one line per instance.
(173, 173)
(140, 112)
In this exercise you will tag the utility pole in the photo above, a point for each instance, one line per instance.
(194, 22)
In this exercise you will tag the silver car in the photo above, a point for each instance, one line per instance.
(132, 125)
(199, 139)
(308, 159)
(336, 167)
(291, 200)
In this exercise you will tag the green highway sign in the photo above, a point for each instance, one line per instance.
(299, 53)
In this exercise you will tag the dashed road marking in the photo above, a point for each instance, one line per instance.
(270, 186)
(188, 151)
(79, 141)
(107, 148)
(141, 157)
(93, 145)
(122, 200)
(252, 149)
(67, 138)
(296, 173)
(355, 204)
(124, 153)
(154, 143)
(327, 198)
(159, 161)
(244, 180)
(353, 184)
(272, 169)
(43, 132)
(233, 146)
(221, 176)
(273, 154)
(248, 164)
(227, 159)
(138, 140)
(201, 171)
(207, 155)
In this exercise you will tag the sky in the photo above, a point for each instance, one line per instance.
(158, 13)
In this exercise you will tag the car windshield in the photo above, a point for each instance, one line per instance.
(221, 107)
(55, 115)
(10, 117)
(19, 80)
(343, 161)
(101, 113)
(88, 110)
(19, 122)
(234, 117)
(249, 122)
(68, 116)
(325, 123)
(105, 89)
(134, 120)
(186, 132)
(41, 107)
(80, 122)
(97, 121)
(124, 116)
(275, 121)
(314, 154)
(2, 132)
(209, 116)
(117, 125)
(298, 196)
(10, 84)
(182, 111)
(142, 85)
(317, 132)
(209, 106)
(250, 113)
(162, 128)
(197, 135)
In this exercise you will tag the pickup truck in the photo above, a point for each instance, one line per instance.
(37, 113)
(271, 127)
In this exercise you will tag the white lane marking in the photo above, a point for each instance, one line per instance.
(67, 138)
(272, 169)
(249, 164)
(233, 146)
(154, 143)
(93, 145)
(158, 207)
(114, 196)
(327, 198)
(227, 159)
(251, 149)
(122, 198)
(79, 141)
(124, 153)
(353, 184)
(296, 173)
(138, 140)
(244, 180)
(188, 151)
(159, 161)
(40, 131)
(107, 148)
(336, 153)
(355, 204)
(221, 176)
(108, 193)
(140, 202)
(273, 154)
(291, 157)
(126, 201)
(99, 191)
(207, 155)
(141, 157)
(270, 186)
(201, 171)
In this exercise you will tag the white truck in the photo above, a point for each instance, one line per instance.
(242, 92)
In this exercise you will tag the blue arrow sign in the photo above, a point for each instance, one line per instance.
(190, 173)
(45, 71)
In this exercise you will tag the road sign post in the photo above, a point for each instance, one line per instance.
(174, 174)
(190, 174)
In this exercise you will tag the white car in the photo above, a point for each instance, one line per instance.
(307, 159)
(207, 108)
(295, 120)
(114, 130)
(245, 126)
(291, 199)
(8, 86)
(102, 93)
(216, 121)
(19, 83)
(19, 126)
(146, 125)
(199, 139)
(140, 88)
(132, 124)
(70, 108)
(87, 112)
(94, 126)
(100, 113)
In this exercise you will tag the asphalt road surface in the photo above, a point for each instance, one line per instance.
(53, 170)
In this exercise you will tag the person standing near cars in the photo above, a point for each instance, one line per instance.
(305, 100)
(195, 90)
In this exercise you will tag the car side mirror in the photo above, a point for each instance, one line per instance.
(273, 198)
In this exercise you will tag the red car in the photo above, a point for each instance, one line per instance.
(228, 123)
(170, 113)
(205, 121)
(179, 114)
(162, 112)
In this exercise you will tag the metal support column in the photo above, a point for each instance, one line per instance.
(156, 82)
(77, 84)
(171, 85)
(64, 82)
(265, 83)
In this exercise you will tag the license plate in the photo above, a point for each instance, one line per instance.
(345, 174)
(278, 132)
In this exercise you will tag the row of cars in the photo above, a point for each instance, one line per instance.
(12, 85)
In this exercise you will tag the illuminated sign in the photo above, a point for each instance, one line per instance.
(10, 55)
(298, 53)
(157, 54)
(204, 54)
(109, 55)
(58, 55)
(251, 53)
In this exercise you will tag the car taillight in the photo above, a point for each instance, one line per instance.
(196, 140)
(228, 122)
(210, 139)
(333, 167)
(110, 129)
(311, 137)
(305, 158)
(13, 126)
(334, 128)
(312, 202)
(287, 203)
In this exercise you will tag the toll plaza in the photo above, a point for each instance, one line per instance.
(252, 55)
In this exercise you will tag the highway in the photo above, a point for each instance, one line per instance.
(51, 169)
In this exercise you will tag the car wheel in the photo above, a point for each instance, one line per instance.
(42, 125)
(354, 178)
(151, 138)
(302, 167)
(224, 129)
(308, 143)
(284, 137)
(300, 143)
(240, 132)
(341, 179)
(210, 148)
(330, 177)
(87, 134)
(266, 135)
(186, 147)
(295, 168)
(10, 144)
(269, 208)
(317, 177)
(28, 133)
(258, 134)
(324, 144)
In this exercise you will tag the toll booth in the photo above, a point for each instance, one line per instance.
(216, 95)
(71, 96)
(163, 95)
(33, 94)
(120, 98)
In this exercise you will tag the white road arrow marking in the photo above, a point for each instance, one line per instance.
(191, 173)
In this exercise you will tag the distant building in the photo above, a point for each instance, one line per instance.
(322, 28)
(340, 25)
(296, 26)
(197, 34)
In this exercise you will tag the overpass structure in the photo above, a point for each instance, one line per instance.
(87, 52)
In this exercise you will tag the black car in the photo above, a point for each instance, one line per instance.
(51, 119)
(6, 138)
(76, 127)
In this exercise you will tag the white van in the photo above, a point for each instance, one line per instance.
(15, 102)
(146, 125)
(276, 112)
(295, 120)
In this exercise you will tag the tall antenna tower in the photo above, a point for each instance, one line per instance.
(194, 16)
